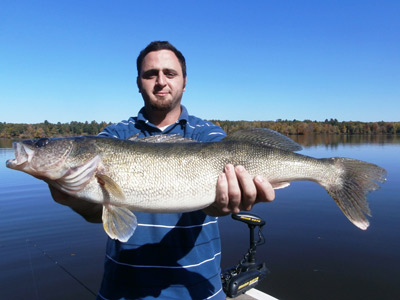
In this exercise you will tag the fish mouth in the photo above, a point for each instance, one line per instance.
(23, 155)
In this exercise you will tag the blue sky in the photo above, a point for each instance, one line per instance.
(247, 60)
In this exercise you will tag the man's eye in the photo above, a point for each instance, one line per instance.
(148, 76)
(170, 75)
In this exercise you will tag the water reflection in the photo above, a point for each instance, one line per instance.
(333, 140)
(309, 140)
(5, 143)
(312, 250)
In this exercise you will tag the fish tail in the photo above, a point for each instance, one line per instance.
(356, 179)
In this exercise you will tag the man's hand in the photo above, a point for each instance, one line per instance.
(92, 212)
(237, 190)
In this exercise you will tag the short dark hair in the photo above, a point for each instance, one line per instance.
(157, 46)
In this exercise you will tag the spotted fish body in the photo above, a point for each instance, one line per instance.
(170, 174)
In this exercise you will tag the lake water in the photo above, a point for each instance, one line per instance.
(313, 252)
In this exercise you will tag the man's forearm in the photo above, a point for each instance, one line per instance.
(92, 212)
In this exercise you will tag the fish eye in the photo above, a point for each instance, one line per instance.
(42, 142)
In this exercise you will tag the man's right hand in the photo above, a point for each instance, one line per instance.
(237, 190)
(92, 212)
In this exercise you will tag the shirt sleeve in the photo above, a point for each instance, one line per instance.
(109, 131)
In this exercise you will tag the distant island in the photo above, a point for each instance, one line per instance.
(286, 127)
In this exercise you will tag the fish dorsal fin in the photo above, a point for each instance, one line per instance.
(161, 138)
(264, 136)
(118, 222)
(110, 186)
(134, 138)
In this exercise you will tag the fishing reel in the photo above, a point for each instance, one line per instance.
(247, 274)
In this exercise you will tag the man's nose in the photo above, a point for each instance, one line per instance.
(161, 80)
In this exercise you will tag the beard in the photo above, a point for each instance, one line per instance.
(160, 104)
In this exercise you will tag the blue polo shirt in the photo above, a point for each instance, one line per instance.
(170, 256)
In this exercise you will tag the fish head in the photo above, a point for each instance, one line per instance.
(43, 158)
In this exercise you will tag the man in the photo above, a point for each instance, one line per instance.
(171, 256)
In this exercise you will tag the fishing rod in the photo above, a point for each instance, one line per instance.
(45, 254)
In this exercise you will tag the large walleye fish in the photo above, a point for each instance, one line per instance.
(171, 174)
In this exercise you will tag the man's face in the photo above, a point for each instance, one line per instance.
(161, 81)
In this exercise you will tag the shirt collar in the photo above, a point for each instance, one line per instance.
(183, 118)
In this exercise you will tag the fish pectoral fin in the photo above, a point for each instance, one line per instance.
(118, 222)
(110, 186)
(279, 185)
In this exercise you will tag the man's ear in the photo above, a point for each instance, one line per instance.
(139, 84)
(184, 84)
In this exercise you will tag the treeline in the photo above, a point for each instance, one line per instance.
(287, 127)
(29, 131)
(332, 126)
